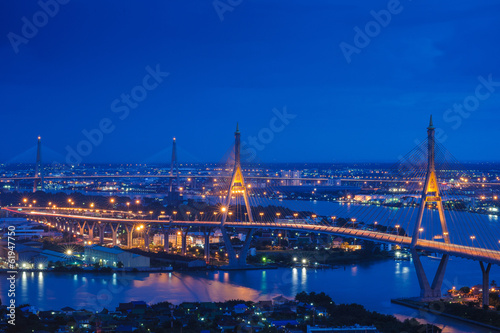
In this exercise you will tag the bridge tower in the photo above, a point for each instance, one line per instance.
(236, 187)
(430, 194)
(174, 166)
(38, 167)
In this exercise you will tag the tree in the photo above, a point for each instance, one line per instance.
(119, 264)
(465, 290)
(320, 299)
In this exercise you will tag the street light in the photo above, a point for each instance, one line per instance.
(397, 228)
(261, 214)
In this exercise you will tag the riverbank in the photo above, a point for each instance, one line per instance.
(426, 306)
(105, 270)
(298, 312)
(318, 258)
(370, 284)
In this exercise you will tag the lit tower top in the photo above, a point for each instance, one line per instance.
(431, 146)
(431, 125)
(174, 166)
(237, 146)
(38, 166)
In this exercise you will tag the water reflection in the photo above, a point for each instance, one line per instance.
(263, 285)
(371, 284)
(303, 278)
(40, 285)
(24, 283)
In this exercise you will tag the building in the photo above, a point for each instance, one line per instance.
(24, 228)
(29, 257)
(337, 243)
(347, 329)
(293, 175)
(107, 256)
(195, 238)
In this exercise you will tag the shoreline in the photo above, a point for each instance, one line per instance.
(404, 302)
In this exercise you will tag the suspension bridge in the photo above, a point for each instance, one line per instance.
(437, 210)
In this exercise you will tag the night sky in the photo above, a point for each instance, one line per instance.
(303, 83)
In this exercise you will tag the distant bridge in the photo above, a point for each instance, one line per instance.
(70, 219)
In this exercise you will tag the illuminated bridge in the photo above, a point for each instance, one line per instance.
(453, 231)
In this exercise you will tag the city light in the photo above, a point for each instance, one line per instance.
(282, 109)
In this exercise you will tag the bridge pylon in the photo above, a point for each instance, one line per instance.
(38, 167)
(174, 167)
(236, 187)
(430, 194)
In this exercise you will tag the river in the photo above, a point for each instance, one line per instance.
(370, 284)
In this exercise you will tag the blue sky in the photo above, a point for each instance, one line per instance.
(262, 56)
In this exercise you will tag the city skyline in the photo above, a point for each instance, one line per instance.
(350, 96)
(250, 166)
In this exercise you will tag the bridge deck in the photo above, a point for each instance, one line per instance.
(469, 252)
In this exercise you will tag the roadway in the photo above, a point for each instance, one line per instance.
(468, 252)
